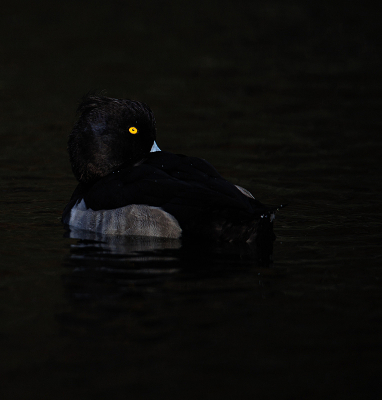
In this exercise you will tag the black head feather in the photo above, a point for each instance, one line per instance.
(101, 141)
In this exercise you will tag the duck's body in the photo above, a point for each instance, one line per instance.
(157, 193)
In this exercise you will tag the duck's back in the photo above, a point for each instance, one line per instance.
(187, 189)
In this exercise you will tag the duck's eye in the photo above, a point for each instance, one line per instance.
(133, 130)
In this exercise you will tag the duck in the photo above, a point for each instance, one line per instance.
(128, 186)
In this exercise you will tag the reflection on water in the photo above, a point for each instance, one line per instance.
(163, 308)
(113, 245)
(94, 245)
(118, 265)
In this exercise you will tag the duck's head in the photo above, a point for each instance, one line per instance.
(109, 133)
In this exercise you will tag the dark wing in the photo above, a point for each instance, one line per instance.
(188, 188)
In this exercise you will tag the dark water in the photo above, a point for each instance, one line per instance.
(284, 100)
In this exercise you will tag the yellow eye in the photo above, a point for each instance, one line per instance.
(133, 130)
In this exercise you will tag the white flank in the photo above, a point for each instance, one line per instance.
(134, 219)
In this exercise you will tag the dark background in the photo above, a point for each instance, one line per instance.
(284, 98)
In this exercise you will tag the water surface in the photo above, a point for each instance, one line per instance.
(284, 101)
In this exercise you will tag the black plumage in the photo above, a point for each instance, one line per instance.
(189, 188)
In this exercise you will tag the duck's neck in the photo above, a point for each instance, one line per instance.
(155, 147)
